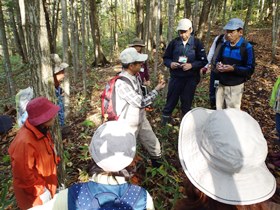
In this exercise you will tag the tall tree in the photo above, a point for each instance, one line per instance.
(139, 11)
(100, 58)
(275, 27)
(187, 9)
(65, 57)
(40, 65)
(83, 48)
(203, 18)
(248, 17)
(171, 5)
(6, 60)
(16, 36)
(157, 41)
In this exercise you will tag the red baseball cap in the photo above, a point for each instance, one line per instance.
(41, 110)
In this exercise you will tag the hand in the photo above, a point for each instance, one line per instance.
(174, 65)
(186, 66)
(160, 85)
(224, 68)
(203, 71)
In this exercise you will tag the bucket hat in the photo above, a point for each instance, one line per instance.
(58, 64)
(137, 42)
(41, 110)
(223, 154)
(113, 146)
(130, 55)
(184, 24)
(233, 24)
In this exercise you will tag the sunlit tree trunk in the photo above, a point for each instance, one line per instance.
(139, 18)
(16, 37)
(171, 5)
(115, 30)
(83, 48)
(248, 17)
(73, 39)
(203, 18)
(65, 57)
(6, 59)
(275, 27)
(147, 23)
(157, 41)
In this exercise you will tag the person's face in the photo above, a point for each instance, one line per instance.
(185, 35)
(233, 35)
(135, 67)
(138, 48)
(49, 123)
(58, 78)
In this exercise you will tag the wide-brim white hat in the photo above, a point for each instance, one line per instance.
(223, 154)
(113, 146)
(130, 55)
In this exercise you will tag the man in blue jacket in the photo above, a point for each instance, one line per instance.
(233, 65)
(184, 56)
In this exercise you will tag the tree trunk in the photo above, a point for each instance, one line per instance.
(83, 48)
(147, 23)
(275, 27)
(224, 12)
(178, 8)
(139, 13)
(171, 5)
(187, 9)
(195, 16)
(100, 58)
(50, 35)
(40, 65)
(203, 18)
(157, 41)
(248, 17)
(17, 39)
(115, 30)
(73, 40)
(6, 59)
(20, 29)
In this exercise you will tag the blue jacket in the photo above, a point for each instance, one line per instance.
(242, 66)
(193, 50)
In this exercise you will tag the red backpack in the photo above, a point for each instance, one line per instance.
(108, 99)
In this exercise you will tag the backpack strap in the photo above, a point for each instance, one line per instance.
(132, 195)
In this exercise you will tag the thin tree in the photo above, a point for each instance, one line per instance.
(84, 65)
(203, 18)
(187, 9)
(170, 31)
(65, 57)
(6, 59)
(139, 15)
(157, 41)
(248, 17)
(275, 27)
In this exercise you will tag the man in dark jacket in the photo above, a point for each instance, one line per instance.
(184, 56)
(233, 66)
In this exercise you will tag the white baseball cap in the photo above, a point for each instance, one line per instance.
(223, 154)
(130, 55)
(113, 146)
(184, 25)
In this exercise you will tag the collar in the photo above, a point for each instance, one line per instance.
(105, 179)
(34, 130)
(238, 44)
(190, 41)
(129, 76)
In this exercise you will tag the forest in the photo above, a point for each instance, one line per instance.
(89, 36)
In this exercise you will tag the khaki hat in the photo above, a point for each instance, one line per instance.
(184, 25)
(223, 154)
(58, 64)
(137, 42)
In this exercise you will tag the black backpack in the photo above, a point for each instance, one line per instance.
(220, 47)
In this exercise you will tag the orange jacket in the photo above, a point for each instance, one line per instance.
(34, 163)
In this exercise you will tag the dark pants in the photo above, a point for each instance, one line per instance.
(183, 89)
(212, 89)
(277, 120)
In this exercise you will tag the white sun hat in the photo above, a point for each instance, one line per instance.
(184, 25)
(223, 154)
(58, 64)
(113, 146)
(130, 55)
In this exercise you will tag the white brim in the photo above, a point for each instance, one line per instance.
(142, 57)
(236, 189)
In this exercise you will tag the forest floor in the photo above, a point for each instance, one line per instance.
(165, 184)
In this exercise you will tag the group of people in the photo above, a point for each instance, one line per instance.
(222, 152)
